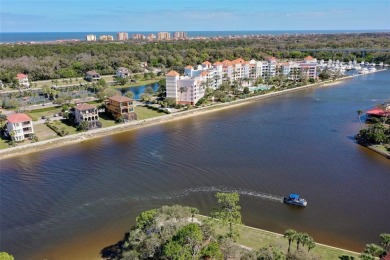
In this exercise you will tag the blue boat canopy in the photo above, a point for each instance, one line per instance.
(294, 196)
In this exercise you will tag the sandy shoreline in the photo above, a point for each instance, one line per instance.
(97, 133)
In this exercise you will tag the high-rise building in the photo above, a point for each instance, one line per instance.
(122, 36)
(151, 37)
(106, 38)
(138, 36)
(90, 38)
(180, 35)
(163, 36)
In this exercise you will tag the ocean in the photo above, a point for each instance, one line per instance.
(14, 37)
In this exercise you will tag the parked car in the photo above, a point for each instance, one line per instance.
(43, 117)
(55, 115)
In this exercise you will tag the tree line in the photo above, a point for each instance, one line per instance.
(54, 61)
(177, 233)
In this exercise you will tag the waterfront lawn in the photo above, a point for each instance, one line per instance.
(43, 132)
(65, 125)
(3, 142)
(257, 238)
(106, 120)
(144, 113)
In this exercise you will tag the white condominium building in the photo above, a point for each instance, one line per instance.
(122, 36)
(190, 87)
(90, 38)
(180, 35)
(106, 38)
(163, 36)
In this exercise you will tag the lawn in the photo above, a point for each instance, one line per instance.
(48, 112)
(145, 113)
(257, 238)
(106, 120)
(43, 132)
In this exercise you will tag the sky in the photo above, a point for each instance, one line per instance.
(186, 15)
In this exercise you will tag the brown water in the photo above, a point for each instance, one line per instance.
(73, 201)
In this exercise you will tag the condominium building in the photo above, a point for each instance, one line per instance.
(138, 36)
(90, 38)
(122, 36)
(163, 36)
(19, 126)
(190, 87)
(180, 35)
(106, 38)
(151, 37)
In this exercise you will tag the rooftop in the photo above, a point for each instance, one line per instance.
(172, 73)
(120, 99)
(18, 118)
(84, 106)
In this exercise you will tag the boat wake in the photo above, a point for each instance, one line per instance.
(245, 192)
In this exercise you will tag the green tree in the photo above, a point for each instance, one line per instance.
(6, 256)
(385, 240)
(212, 251)
(149, 90)
(82, 126)
(129, 94)
(373, 250)
(228, 210)
(175, 251)
(246, 90)
(290, 235)
(146, 219)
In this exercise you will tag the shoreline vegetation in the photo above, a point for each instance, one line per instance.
(181, 231)
(98, 133)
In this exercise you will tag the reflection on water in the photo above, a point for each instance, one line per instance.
(297, 143)
(138, 91)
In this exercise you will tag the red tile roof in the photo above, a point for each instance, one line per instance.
(172, 73)
(21, 76)
(84, 106)
(189, 67)
(120, 99)
(271, 58)
(377, 112)
(309, 58)
(207, 62)
(218, 63)
(18, 118)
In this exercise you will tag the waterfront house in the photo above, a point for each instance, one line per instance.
(19, 126)
(88, 113)
(120, 106)
(22, 80)
(92, 75)
(122, 72)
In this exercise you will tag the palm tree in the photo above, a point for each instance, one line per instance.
(385, 240)
(373, 250)
(299, 237)
(360, 112)
(310, 244)
(290, 235)
(305, 239)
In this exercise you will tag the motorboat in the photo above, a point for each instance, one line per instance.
(295, 199)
